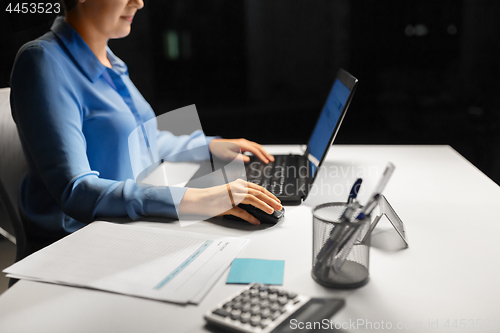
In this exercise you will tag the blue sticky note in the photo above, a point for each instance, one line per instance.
(244, 270)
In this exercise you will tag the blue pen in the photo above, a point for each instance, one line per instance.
(354, 191)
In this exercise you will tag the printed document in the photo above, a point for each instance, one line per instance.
(148, 262)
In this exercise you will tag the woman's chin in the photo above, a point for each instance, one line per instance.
(124, 32)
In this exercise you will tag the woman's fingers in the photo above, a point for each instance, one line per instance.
(267, 193)
(260, 204)
(243, 158)
(227, 148)
(258, 151)
(242, 186)
(264, 152)
(243, 214)
(214, 201)
(252, 194)
(260, 155)
(258, 197)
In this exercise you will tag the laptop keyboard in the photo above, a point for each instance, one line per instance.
(278, 177)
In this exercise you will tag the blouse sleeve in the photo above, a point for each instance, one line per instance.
(49, 117)
(193, 147)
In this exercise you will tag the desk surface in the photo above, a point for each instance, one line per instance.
(447, 277)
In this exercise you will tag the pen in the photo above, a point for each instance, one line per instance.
(372, 205)
(385, 178)
(337, 247)
(342, 237)
(349, 212)
(369, 207)
(354, 190)
(337, 231)
(339, 238)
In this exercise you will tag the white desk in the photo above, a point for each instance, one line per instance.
(450, 271)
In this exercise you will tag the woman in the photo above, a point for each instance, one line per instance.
(75, 107)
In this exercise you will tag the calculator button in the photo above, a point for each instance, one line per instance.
(265, 313)
(257, 286)
(246, 299)
(237, 306)
(246, 307)
(263, 295)
(245, 317)
(221, 312)
(235, 314)
(264, 304)
(255, 310)
(238, 298)
(228, 305)
(292, 295)
(273, 298)
(246, 314)
(275, 307)
(282, 293)
(255, 320)
(263, 288)
(254, 301)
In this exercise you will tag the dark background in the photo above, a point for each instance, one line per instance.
(429, 71)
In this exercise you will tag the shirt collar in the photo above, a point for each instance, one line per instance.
(118, 65)
(82, 54)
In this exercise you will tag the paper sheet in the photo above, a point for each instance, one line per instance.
(148, 262)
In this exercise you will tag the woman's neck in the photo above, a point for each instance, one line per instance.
(95, 40)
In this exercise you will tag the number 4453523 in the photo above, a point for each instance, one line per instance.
(34, 8)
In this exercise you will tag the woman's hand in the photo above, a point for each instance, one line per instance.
(218, 200)
(228, 149)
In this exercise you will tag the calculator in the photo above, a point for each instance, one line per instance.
(262, 308)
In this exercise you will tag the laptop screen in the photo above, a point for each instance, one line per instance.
(327, 123)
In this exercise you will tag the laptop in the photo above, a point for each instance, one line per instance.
(290, 177)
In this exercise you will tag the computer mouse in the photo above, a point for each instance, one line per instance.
(260, 215)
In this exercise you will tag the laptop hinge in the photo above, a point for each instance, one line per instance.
(306, 184)
(313, 160)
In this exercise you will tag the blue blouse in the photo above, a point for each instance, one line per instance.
(74, 117)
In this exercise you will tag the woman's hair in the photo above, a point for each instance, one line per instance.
(68, 4)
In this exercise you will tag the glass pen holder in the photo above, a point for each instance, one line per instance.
(341, 250)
